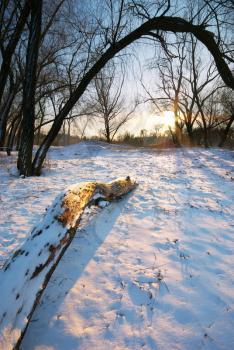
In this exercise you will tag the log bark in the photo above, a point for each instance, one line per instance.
(26, 275)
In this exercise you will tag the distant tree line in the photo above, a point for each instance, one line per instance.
(55, 55)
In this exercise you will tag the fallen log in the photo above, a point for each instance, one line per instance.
(25, 276)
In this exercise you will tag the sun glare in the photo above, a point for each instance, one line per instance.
(169, 118)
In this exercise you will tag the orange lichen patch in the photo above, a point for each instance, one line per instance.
(75, 201)
(117, 188)
(78, 198)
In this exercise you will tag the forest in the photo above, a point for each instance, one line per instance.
(65, 63)
(116, 169)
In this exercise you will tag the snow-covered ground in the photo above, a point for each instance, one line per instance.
(152, 271)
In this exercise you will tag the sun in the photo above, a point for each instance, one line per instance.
(169, 119)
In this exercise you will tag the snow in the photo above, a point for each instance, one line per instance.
(151, 271)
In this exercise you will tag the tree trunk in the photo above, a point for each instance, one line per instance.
(4, 113)
(38, 136)
(25, 276)
(10, 49)
(177, 135)
(108, 135)
(28, 106)
(3, 123)
(13, 130)
(18, 136)
(226, 131)
(190, 134)
(45, 145)
(205, 135)
(69, 132)
(205, 131)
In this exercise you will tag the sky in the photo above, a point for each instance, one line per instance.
(144, 120)
(137, 70)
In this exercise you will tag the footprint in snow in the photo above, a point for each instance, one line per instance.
(138, 295)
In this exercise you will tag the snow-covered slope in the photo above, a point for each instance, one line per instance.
(154, 271)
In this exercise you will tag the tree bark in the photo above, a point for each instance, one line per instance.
(107, 130)
(28, 106)
(177, 135)
(26, 275)
(205, 129)
(226, 131)
(10, 49)
(4, 115)
(13, 130)
(189, 128)
(5, 110)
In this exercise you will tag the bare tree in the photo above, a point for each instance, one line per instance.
(188, 87)
(170, 70)
(81, 126)
(107, 104)
(12, 93)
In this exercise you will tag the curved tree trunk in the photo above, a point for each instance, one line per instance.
(164, 23)
(4, 113)
(43, 149)
(13, 130)
(26, 275)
